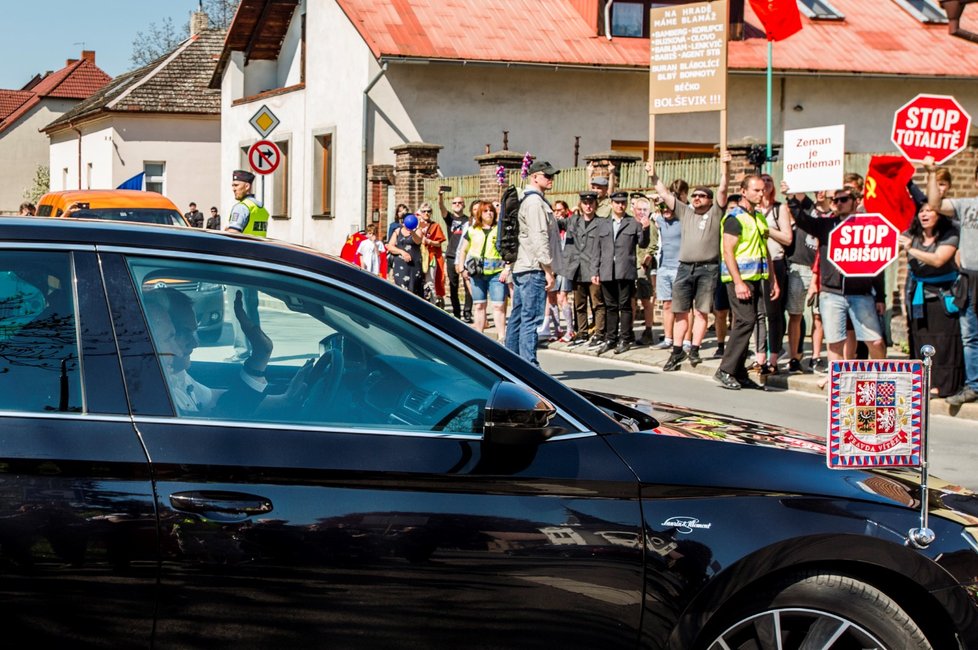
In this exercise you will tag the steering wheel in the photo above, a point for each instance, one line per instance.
(325, 378)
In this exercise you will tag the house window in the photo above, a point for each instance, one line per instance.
(88, 173)
(280, 183)
(926, 11)
(631, 19)
(302, 52)
(323, 175)
(819, 10)
(64, 178)
(155, 176)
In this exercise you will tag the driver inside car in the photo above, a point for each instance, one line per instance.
(174, 326)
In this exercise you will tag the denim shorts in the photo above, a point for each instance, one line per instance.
(799, 279)
(694, 287)
(488, 285)
(562, 284)
(664, 279)
(860, 309)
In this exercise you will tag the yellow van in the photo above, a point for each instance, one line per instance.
(114, 205)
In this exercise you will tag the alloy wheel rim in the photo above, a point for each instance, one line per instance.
(795, 628)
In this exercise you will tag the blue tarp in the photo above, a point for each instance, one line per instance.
(134, 183)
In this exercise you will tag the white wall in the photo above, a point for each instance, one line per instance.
(23, 147)
(117, 147)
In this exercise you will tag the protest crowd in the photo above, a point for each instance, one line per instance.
(741, 270)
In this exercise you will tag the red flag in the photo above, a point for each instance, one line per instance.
(349, 250)
(780, 18)
(885, 190)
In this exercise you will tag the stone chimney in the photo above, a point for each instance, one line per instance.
(199, 21)
(89, 55)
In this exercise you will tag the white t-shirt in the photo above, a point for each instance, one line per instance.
(369, 252)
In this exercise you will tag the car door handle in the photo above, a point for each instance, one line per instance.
(222, 503)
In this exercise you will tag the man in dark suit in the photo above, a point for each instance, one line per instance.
(616, 271)
(579, 268)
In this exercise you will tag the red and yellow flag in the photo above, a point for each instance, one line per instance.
(780, 18)
(885, 190)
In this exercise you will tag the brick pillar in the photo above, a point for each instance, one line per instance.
(607, 164)
(413, 163)
(379, 178)
(489, 187)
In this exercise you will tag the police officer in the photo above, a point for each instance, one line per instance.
(248, 215)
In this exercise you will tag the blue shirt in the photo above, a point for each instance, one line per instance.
(670, 236)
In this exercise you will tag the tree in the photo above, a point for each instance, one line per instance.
(160, 38)
(40, 185)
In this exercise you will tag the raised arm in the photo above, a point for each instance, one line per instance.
(660, 188)
(723, 184)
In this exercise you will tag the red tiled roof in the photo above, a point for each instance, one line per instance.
(877, 37)
(76, 80)
(11, 100)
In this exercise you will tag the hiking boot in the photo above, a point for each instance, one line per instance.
(607, 346)
(623, 347)
(726, 380)
(675, 360)
(694, 358)
(963, 396)
(794, 366)
(646, 337)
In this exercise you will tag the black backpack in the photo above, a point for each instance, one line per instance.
(508, 232)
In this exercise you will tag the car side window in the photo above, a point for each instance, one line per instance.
(241, 344)
(39, 368)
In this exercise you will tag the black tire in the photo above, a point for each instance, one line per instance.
(812, 607)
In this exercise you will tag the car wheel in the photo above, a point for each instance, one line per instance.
(818, 610)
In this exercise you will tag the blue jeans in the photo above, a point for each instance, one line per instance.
(529, 300)
(969, 340)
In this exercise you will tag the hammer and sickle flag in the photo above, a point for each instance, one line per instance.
(885, 190)
(780, 18)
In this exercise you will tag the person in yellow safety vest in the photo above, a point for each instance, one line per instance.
(248, 215)
(745, 261)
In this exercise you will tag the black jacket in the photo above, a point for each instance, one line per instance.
(831, 279)
(615, 258)
(579, 248)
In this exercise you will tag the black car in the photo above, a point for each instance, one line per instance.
(391, 478)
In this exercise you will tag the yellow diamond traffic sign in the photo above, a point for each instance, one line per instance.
(264, 121)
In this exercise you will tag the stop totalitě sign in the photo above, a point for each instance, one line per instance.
(931, 125)
(863, 245)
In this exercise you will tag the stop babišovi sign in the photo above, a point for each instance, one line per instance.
(863, 245)
(931, 125)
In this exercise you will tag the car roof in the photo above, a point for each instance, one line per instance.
(109, 199)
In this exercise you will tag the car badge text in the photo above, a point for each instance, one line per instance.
(684, 525)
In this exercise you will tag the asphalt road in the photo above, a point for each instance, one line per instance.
(953, 443)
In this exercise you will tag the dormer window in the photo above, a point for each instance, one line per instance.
(926, 11)
(630, 18)
(819, 10)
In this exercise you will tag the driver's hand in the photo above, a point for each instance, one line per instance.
(300, 383)
(261, 345)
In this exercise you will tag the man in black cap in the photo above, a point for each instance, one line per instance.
(248, 215)
(599, 184)
(617, 239)
(532, 272)
(579, 268)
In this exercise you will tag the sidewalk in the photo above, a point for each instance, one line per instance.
(805, 382)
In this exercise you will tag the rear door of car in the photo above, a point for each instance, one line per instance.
(78, 541)
(366, 512)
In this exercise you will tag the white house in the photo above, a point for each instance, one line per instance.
(161, 119)
(23, 112)
(349, 79)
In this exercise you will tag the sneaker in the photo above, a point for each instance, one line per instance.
(595, 342)
(675, 360)
(568, 337)
(623, 347)
(727, 380)
(718, 353)
(607, 346)
(769, 369)
(577, 341)
(820, 366)
(694, 358)
(664, 344)
(794, 366)
(646, 337)
(963, 396)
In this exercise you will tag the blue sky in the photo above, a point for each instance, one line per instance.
(42, 35)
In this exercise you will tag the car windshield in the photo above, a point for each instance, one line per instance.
(139, 215)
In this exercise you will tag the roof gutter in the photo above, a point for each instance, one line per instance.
(363, 140)
(421, 60)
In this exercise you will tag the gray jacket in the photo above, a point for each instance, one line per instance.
(579, 248)
(616, 254)
(539, 235)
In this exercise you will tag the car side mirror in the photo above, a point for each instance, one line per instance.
(515, 415)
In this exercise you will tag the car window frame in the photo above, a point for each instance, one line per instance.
(576, 428)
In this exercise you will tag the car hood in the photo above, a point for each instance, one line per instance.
(731, 453)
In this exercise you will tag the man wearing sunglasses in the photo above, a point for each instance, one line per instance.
(533, 273)
(863, 300)
(456, 221)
